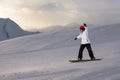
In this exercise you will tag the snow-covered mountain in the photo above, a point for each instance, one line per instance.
(9, 29)
(45, 56)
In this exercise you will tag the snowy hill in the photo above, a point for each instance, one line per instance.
(45, 56)
(9, 29)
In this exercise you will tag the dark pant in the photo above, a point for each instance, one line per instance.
(88, 46)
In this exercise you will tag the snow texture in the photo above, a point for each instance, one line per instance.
(45, 56)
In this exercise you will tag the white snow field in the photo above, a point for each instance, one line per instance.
(45, 56)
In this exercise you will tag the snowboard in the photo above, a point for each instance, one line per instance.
(84, 60)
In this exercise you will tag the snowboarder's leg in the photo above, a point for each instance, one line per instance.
(80, 55)
(90, 51)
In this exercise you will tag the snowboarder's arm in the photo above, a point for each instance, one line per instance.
(79, 36)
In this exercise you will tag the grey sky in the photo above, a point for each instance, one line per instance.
(43, 13)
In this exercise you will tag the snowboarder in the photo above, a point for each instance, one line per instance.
(85, 42)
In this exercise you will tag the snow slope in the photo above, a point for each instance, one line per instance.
(45, 56)
(9, 29)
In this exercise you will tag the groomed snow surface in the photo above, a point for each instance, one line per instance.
(45, 56)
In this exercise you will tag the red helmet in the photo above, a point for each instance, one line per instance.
(82, 28)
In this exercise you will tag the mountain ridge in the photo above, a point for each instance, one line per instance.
(9, 29)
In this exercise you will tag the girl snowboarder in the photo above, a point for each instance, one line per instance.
(85, 42)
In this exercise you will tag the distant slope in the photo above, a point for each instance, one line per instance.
(64, 37)
(104, 34)
(9, 29)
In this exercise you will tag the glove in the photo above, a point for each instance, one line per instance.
(75, 39)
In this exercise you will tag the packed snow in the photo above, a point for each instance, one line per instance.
(45, 56)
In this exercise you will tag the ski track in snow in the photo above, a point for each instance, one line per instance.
(40, 75)
(109, 73)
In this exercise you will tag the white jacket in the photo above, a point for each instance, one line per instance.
(84, 37)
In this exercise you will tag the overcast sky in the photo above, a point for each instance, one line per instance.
(41, 13)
